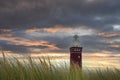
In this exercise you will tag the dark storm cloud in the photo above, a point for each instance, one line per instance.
(95, 44)
(13, 48)
(90, 43)
(6, 46)
(63, 43)
(24, 14)
(18, 15)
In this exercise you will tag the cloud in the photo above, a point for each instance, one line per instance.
(42, 40)
(109, 34)
(97, 43)
(50, 24)
(13, 48)
(56, 28)
(21, 43)
(22, 14)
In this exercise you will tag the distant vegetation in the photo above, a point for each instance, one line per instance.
(44, 70)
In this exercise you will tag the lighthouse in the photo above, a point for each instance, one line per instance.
(76, 52)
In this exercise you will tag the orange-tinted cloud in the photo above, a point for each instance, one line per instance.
(5, 35)
(63, 30)
(113, 43)
(32, 30)
(108, 34)
(27, 43)
(57, 28)
(5, 32)
(115, 46)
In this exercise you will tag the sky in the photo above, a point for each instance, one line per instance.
(47, 26)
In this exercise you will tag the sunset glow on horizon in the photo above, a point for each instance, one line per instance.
(94, 60)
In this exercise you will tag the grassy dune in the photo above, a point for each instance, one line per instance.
(44, 70)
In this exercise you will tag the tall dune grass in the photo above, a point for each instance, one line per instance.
(13, 69)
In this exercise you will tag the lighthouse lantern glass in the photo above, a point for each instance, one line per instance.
(76, 42)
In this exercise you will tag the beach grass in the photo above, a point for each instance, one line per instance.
(13, 69)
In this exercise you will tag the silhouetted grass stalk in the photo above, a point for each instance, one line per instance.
(13, 69)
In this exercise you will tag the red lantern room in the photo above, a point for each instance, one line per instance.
(76, 52)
